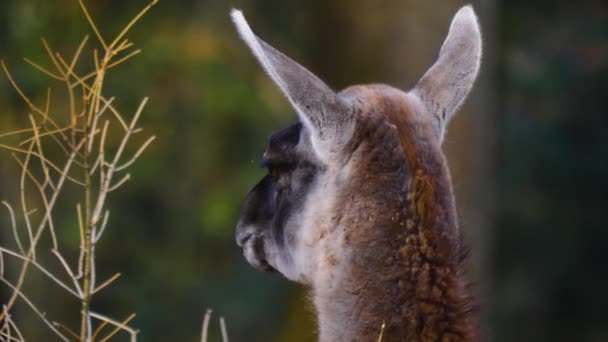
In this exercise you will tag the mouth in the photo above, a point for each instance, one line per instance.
(254, 252)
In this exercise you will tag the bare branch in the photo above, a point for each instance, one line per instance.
(44, 200)
(95, 165)
(41, 269)
(35, 154)
(91, 89)
(133, 21)
(106, 283)
(66, 329)
(41, 226)
(103, 192)
(14, 226)
(43, 70)
(108, 67)
(98, 330)
(104, 223)
(124, 59)
(47, 133)
(21, 131)
(120, 183)
(26, 216)
(69, 272)
(137, 154)
(49, 51)
(77, 54)
(205, 328)
(25, 98)
(381, 331)
(12, 325)
(95, 119)
(92, 23)
(223, 329)
(119, 325)
(35, 309)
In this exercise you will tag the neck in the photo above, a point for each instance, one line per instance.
(401, 276)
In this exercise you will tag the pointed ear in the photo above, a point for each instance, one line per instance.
(325, 114)
(444, 87)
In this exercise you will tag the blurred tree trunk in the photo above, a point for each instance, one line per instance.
(482, 180)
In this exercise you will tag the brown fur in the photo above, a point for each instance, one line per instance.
(399, 223)
(376, 235)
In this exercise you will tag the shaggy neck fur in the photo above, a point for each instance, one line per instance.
(399, 258)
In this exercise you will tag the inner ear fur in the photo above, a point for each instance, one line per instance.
(445, 86)
(324, 113)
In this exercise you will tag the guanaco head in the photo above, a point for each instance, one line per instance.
(312, 161)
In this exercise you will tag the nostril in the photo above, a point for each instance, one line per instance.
(242, 237)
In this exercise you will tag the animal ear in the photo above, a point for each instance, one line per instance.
(318, 107)
(444, 87)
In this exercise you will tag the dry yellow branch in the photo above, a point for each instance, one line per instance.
(42, 69)
(77, 142)
(133, 21)
(92, 23)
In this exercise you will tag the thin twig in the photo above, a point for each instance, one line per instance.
(81, 234)
(41, 269)
(103, 192)
(52, 202)
(49, 51)
(9, 324)
(26, 216)
(104, 223)
(37, 155)
(24, 97)
(21, 131)
(47, 133)
(106, 283)
(68, 330)
(205, 328)
(77, 54)
(223, 329)
(35, 309)
(94, 125)
(95, 73)
(124, 59)
(91, 90)
(43, 70)
(119, 325)
(133, 21)
(92, 23)
(136, 155)
(98, 330)
(45, 169)
(381, 331)
(43, 197)
(69, 272)
(14, 226)
(15, 329)
(120, 182)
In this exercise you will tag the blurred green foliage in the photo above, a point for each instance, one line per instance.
(549, 261)
(212, 109)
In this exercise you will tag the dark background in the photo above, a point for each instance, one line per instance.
(528, 154)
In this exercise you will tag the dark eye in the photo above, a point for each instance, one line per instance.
(276, 170)
(273, 171)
